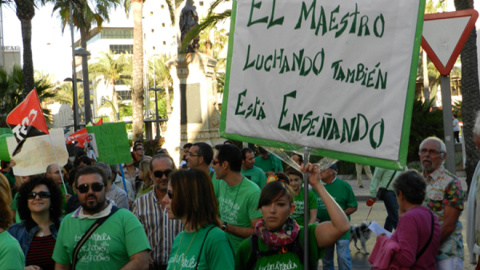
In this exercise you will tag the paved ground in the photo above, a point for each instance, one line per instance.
(378, 214)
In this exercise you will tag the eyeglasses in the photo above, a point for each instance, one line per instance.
(41, 194)
(170, 194)
(215, 162)
(430, 152)
(160, 174)
(139, 148)
(96, 187)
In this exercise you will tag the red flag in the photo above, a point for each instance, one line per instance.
(81, 136)
(27, 119)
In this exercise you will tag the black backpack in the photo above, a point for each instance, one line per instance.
(294, 247)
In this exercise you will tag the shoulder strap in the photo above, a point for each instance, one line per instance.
(391, 179)
(420, 253)
(87, 235)
(201, 247)
(254, 253)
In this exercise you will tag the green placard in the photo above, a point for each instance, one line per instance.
(112, 143)
(3, 146)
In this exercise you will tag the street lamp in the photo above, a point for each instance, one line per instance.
(86, 86)
(75, 101)
(156, 110)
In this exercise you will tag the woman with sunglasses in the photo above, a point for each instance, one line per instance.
(11, 255)
(40, 207)
(278, 239)
(202, 244)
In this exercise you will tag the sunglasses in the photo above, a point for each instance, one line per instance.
(160, 174)
(215, 162)
(139, 148)
(85, 187)
(169, 194)
(41, 194)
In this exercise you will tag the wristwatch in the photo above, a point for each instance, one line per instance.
(224, 226)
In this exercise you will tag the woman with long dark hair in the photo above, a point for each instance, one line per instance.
(40, 207)
(278, 240)
(202, 244)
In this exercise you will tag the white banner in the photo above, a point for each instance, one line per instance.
(328, 75)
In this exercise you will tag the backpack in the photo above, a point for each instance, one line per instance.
(295, 247)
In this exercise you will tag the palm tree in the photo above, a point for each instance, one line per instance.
(470, 94)
(84, 17)
(159, 69)
(109, 68)
(25, 10)
(137, 72)
(12, 91)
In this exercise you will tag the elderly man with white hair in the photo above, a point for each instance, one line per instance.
(445, 198)
(473, 209)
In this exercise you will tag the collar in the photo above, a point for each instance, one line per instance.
(79, 213)
(328, 183)
(436, 173)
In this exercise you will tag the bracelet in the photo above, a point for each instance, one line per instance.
(224, 226)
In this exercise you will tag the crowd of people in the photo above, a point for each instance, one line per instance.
(234, 209)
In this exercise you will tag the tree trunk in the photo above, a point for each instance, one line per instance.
(115, 102)
(25, 13)
(86, 83)
(426, 82)
(137, 72)
(470, 94)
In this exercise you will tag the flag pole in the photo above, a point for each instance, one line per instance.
(306, 209)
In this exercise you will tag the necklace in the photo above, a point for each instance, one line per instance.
(186, 252)
(41, 234)
(235, 200)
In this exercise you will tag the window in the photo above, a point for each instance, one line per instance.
(121, 48)
(117, 33)
(125, 95)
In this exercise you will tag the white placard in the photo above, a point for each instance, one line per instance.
(328, 75)
(37, 153)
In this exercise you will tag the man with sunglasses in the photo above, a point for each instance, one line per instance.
(237, 196)
(150, 210)
(120, 242)
(445, 198)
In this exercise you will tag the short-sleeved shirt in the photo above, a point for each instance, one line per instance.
(342, 193)
(299, 202)
(444, 188)
(271, 164)
(256, 175)
(109, 247)
(11, 255)
(216, 254)
(287, 260)
(238, 205)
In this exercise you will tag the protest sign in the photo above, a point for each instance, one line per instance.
(111, 142)
(336, 77)
(37, 152)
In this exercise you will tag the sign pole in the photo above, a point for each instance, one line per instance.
(306, 209)
(447, 123)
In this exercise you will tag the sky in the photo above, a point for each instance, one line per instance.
(51, 48)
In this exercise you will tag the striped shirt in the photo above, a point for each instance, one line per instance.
(159, 228)
(40, 252)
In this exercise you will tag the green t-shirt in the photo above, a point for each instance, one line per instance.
(342, 193)
(217, 252)
(256, 175)
(238, 205)
(299, 202)
(287, 260)
(11, 255)
(271, 164)
(109, 247)
(14, 208)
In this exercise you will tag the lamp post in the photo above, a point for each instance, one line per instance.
(75, 101)
(86, 87)
(156, 110)
(74, 73)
